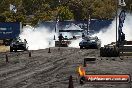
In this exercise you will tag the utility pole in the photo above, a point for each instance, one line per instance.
(57, 20)
(130, 8)
(88, 20)
(116, 20)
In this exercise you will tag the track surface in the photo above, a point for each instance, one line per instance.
(52, 70)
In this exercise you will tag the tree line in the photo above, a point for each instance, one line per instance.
(33, 11)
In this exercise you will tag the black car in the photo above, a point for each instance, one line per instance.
(92, 42)
(17, 44)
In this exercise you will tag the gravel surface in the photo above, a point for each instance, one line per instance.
(52, 70)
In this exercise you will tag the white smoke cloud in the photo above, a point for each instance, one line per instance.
(108, 35)
(127, 29)
(40, 37)
(71, 34)
(37, 38)
(75, 43)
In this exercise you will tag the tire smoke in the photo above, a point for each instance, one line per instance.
(108, 35)
(37, 38)
(41, 37)
(75, 43)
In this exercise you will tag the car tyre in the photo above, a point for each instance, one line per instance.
(81, 47)
(11, 50)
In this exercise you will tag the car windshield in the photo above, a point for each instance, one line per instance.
(17, 39)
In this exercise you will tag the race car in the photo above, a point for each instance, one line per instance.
(17, 44)
(90, 42)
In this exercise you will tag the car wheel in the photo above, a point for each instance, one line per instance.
(81, 47)
(25, 49)
(15, 50)
(11, 50)
(82, 80)
(101, 51)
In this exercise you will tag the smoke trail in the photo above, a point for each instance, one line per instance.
(40, 37)
(75, 43)
(71, 34)
(127, 29)
(37, 38)
(108, 35)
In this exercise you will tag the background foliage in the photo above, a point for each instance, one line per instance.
(32, 11)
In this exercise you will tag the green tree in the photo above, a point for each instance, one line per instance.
(65, 13)
(66, 9)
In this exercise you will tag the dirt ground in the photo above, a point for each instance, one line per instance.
(52, 70)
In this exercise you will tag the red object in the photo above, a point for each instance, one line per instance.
(107, 78)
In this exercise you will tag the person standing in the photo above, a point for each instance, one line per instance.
(60, 39)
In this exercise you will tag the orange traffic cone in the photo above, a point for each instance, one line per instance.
(70, 82)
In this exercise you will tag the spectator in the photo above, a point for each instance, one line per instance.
(60, 37)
